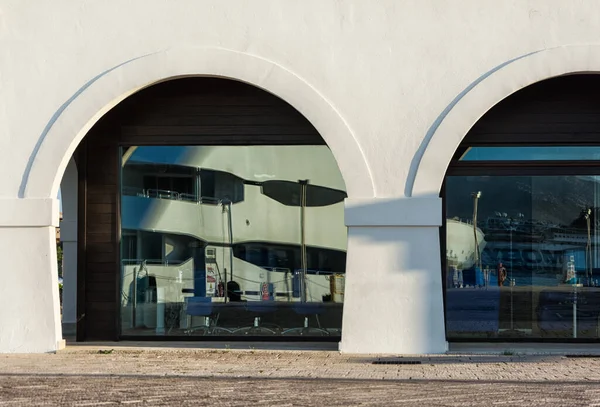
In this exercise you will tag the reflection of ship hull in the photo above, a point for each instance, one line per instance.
(539, 257)
(534, 246)
(547, 255)
(460, 246)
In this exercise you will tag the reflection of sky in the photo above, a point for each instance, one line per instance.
(159, 154)
(254, 163)
(531, 153)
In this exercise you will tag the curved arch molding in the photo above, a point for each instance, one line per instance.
(81, 111)
(444, 136)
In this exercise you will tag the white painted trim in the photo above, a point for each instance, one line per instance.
(16, 212)
(471, 104)
(393, 212)
(82, 110)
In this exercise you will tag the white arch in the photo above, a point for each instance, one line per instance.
(76, 116)
(432, 159)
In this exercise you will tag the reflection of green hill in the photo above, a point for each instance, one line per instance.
(542, 198)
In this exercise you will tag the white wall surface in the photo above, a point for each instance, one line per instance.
(394, 295)
(391, 85)
(30, 314)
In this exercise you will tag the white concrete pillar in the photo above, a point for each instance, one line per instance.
(68, 236)
(29, 303)
(393, 300)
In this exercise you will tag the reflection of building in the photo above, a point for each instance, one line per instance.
(194, 218)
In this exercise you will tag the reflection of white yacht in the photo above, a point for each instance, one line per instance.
(195, 219)
(460, 246)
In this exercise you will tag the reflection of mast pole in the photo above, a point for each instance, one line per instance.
(226, 204)
(588, 249)
(476, 196)
(230, 240)
(511, 276)
(303, 186)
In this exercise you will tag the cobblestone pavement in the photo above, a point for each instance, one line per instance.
(89, 377)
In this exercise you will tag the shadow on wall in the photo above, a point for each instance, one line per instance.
(404, 229)
(416, 160)
(395, 268)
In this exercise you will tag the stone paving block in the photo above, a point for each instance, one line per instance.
(236, 377)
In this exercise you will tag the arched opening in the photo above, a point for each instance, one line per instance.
(521, 199)
(208, 208)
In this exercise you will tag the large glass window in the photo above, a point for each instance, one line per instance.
(232, 240)
(522, 254)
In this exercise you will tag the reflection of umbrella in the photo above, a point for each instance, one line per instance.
(302, 194)
(290, 193)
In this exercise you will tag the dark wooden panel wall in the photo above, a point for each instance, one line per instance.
(198, 111)
(556, 111)
(98, 241)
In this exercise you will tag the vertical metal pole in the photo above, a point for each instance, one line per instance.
(198, 187)
(575, 310)
(225, 288)
(511, 278)
(476, 196)
(588, 254)
(230, 242)
(303, 185)
(133, 310)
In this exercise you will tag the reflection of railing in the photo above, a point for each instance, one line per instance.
(162, 194)
(171, 195)
(188, 197)
(210, 200)
(276, 269)
(133, 191)
(308, 271)
(155, 262)
(159, 194)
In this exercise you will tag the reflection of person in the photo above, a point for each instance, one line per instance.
(501, 274)
(457, 277)
(234, 293)
(486, 276)
(454, 274)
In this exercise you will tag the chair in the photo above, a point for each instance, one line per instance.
(257, 309)
(306, 310)
(204, 307)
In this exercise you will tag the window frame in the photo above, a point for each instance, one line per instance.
(123, 145)
(510, 168)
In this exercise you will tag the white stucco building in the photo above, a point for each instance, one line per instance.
(393, 87)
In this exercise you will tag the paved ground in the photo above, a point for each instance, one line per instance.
(105, 375)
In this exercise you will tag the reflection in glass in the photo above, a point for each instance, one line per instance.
(528, 264)
(232, 240)
(290, 193)
(540, 153)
